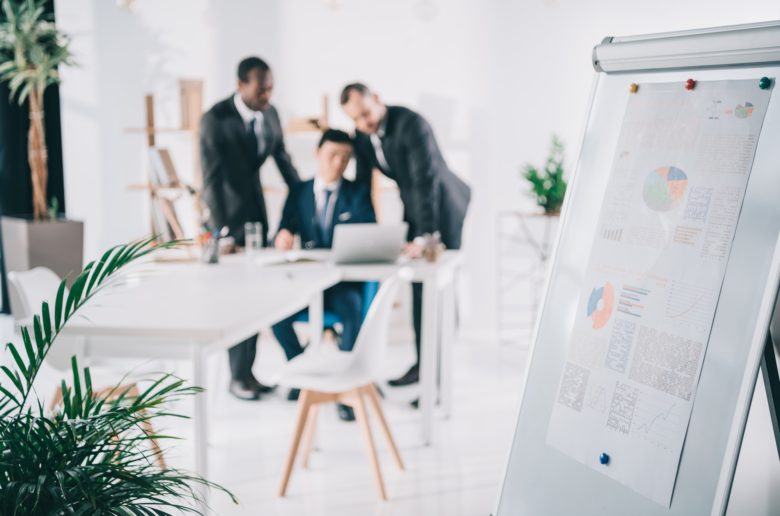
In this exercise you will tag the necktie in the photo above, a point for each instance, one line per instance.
(251, 138)
(379, 152)
(324, 223)
(259, 117)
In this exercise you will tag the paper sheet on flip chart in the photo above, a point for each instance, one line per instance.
(653, 279)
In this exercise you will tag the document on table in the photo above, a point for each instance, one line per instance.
(653, 279)
(274, 257)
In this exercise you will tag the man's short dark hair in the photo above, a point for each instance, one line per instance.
(335, 136)
(359, 87)
(248, 64)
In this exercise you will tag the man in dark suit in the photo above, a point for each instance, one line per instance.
(400, 143)
(312, 210)
(237, 135)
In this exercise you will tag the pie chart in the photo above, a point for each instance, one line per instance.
(743, 111)
(600, 305)
(665, 188)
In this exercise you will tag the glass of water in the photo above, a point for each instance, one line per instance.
(253, 239)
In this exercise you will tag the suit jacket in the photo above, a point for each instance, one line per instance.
(434, 198)
(231, 177)
(353, 205)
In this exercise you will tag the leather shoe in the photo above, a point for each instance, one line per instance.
(293, 394)
(252, 383)
(411, 376)
(241, 391)
(345, 412)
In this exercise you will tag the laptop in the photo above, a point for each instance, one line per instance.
(368, 243)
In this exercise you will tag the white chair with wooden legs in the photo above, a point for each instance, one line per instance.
(27, 291)
(333, 376)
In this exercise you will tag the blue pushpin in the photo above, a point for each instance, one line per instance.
(604, 459)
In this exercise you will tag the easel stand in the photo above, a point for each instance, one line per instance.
(772, 385)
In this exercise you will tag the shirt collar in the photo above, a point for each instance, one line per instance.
(382, 129)
(247, 114)
(320, 185)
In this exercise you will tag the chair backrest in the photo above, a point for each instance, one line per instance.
(371, 343)
(27, 291)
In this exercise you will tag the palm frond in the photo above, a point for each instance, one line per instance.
(31, 48)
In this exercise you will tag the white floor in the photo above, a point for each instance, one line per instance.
(458, 475)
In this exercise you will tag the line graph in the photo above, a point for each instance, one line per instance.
(647, 426)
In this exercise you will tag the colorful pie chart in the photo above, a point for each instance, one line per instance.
(743, 111)
(665, 188)
(600, 304)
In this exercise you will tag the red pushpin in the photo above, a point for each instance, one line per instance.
(690, 84)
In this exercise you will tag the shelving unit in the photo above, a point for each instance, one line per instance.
(523, 245)
(163, 184)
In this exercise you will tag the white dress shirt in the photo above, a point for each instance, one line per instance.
(247, 115)
(376, 141)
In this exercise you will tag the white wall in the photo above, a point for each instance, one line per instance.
(495, 78)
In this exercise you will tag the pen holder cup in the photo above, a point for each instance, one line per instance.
(209, 253)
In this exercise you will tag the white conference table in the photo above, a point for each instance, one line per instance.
(188, 310)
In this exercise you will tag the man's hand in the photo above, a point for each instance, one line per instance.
(413, 250)
(284, 240)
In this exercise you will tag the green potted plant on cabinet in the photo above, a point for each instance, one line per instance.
(94, 452)
(548, 185)
(31, 51)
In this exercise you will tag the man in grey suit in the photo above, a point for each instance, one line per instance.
(400, 143)
(237, 135)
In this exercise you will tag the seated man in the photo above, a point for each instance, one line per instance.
(312, 209)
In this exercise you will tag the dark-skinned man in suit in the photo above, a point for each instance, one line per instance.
(237, 135)
(312, 210)
(400, 143)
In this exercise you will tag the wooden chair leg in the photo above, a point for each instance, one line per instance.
(56, 400)
(311, 430)
(303, 413)
(362, 418)
(146, 426)
(373, 397)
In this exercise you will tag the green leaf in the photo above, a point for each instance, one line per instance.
(46, 321)
(17, 357)
(58, 305)
(78, 399)
(74, 297)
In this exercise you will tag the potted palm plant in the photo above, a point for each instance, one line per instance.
(547, 184)
(31, 51)
(90, 454)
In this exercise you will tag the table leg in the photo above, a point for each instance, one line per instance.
(428, 359)
(200, 420)
(316, 319)
(448, 335)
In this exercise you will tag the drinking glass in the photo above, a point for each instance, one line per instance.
(253, 239)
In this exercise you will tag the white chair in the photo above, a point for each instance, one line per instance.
(325, 375)
(27, 291)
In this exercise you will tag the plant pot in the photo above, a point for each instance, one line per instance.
(56, 244)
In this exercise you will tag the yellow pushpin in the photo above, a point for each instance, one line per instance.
(633, 88)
